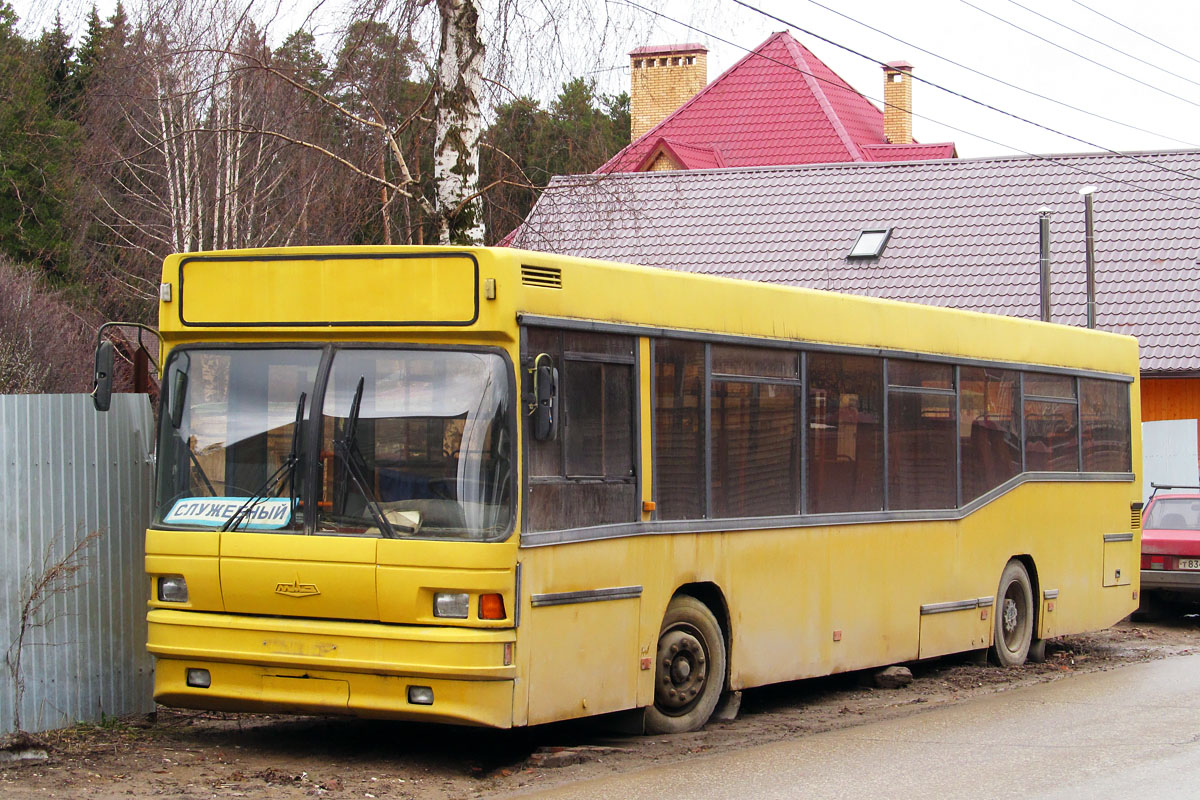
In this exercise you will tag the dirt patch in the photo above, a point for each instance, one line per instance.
(194, 755)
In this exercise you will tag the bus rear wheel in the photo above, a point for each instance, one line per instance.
(1014, 616)
(689, 673)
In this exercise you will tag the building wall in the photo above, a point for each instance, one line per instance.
(662, 164)
(1170, 398)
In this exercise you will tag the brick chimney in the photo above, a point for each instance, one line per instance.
(662, 78)
(897, 98)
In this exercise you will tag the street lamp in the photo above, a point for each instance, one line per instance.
(1087, 192)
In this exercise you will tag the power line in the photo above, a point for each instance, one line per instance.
(1135, 32)
(1001, 81)
(981, 137)
(1078, 55)
(969, 99)
(1104, 44)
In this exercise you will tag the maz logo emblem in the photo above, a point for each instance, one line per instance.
(297, 589)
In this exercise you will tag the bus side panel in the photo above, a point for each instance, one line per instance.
(585, 659)
(777, 588)
(955, 631)
(579, 647)
(1060, 529)
(815, 601)
(1063, 528)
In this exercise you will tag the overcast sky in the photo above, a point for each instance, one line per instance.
(1136, 82)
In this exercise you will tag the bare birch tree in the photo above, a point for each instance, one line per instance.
(204, 137)
(459, 124)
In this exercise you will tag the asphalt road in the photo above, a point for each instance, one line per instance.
(1132, 731)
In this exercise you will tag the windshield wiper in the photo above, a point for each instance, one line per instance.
(286, 470)
(346, 448)
(196, 462)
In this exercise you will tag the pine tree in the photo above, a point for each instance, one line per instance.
(36, 152)
(527, 145)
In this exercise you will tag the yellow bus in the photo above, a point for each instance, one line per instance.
(504, 488)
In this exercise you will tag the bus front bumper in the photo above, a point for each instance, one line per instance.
(273, 664)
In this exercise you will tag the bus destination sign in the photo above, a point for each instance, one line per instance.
(270, 513)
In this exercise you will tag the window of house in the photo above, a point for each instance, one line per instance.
(587, 476)
(870, 243)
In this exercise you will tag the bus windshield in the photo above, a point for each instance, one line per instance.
(412, 443)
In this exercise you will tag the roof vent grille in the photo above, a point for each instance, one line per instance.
(545, 277)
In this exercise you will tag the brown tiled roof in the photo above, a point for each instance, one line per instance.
(964, 234)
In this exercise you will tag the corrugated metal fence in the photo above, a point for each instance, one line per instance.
(66, 471)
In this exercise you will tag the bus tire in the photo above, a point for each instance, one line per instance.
(1013, 623)
(689, 673)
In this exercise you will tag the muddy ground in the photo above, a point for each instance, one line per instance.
(199, 755)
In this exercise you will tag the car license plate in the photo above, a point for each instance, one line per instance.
(1189, 563)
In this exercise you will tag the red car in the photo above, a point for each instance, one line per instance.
(1170, 550)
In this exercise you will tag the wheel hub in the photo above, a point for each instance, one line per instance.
(683, 669)
(1010, 615)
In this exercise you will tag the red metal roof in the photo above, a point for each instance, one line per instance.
(778, 105)
(909, 152)
(683, 156)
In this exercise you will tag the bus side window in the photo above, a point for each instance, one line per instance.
(586, 476)
(1051, 423)
(679, 429)
(1104, 411)
(989, 429)
(921, 428)
(755, 419)
(845, 433)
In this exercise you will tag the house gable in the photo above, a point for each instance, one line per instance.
(778, 105)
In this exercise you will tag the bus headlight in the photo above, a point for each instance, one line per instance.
(172, 589)
(453, 605)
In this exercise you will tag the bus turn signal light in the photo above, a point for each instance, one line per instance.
(491, 606)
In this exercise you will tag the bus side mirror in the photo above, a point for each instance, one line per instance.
(102, 380)
(545, 397)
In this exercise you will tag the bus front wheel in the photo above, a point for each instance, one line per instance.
(689, 673)
(1014, 616)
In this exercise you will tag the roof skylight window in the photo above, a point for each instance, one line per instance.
(870, 243)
